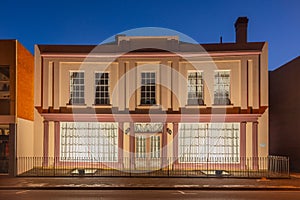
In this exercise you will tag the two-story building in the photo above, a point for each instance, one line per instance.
(147, 102)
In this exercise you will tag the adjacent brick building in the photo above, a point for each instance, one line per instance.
(16, 103)
(285, 112)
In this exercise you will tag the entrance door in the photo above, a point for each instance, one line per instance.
(4, 153)
(148, 151)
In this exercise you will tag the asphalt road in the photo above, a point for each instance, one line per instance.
(146, 194)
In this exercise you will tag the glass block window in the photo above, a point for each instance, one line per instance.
(140, 146)
(89, 141)
(222, 87)
(76, 88)
(155, 146)
(102, 88)
(209, 142)
(195, 88)
(148, 89)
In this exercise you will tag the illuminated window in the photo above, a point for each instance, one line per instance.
(102, 88)
(209, 142)
(76, 88)
(222, 87)
(155, 146)
(140, 146)
(195, 88)
(148, 88)
(89, 141)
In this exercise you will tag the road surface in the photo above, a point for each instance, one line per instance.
(146, 194)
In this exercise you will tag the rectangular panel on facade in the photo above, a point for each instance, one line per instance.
(89, 141)
(209, 142)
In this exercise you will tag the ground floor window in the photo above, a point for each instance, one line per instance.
(89, 141)
(209, 142)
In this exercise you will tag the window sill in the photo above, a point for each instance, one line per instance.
(76, 106)
(195, 106)
(222, 106)
(149, 106)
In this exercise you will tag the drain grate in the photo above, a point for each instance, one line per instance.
(215, 172)
(83, 171)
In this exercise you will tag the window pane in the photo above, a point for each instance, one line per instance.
(88, 141)
(222, 88)
(195, 88)
(102, 88)
(148, 88)
(76, 88)
(207, 142)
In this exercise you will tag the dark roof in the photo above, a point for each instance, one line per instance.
(295, 63)
(182, 47)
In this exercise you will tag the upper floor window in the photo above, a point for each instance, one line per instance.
(195, 88)
(102, 88)
(4, 82)
(222, 87)
(76, 87)
(148, 88)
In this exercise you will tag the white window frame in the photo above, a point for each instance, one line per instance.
(195, 88)
(222, 87)
(104, 93)
(155, 146)
(77, 90)
(148, 97)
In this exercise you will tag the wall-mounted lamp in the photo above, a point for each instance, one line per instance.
(169, 131)
(127, 131)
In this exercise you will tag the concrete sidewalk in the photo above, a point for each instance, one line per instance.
(116, 183)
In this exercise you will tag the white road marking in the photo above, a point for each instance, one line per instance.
(181, 192)
(23, 191)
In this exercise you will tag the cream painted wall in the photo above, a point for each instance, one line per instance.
(170, 142)
(51, 140)
(249, 139)
(25, 138)
(89, 69)
(38, 134)
(126, 153)
(208, 68)
(263, 135)
(130, 75)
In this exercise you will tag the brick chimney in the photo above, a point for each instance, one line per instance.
(241, 25)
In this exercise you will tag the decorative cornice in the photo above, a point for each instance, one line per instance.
(149, 54)
(169, 118)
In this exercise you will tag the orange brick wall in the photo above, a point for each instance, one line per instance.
(25, 83)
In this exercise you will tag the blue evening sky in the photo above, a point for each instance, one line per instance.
(92, 22)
